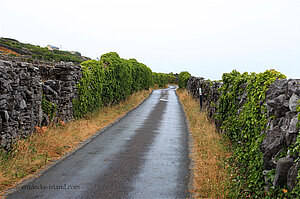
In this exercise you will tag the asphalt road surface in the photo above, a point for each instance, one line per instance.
(144, 155)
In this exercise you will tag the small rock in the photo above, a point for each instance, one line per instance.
(23, 104)
(293, 125)
(293, 86)
(280, 99)
(29, 94)
(6, 116)
(2, 102)
(292, 176)
(50, 83)
(278, 87)
(282, 169)
(293, 102)
(272, 150)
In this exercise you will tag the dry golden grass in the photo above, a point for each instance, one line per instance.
(48, 144)
(208, 151)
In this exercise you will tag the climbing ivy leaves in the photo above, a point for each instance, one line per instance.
(111, 80)
(242, 121)
(49, 109)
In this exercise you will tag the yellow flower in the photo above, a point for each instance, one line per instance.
(284, 190)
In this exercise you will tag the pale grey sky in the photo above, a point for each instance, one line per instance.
(204, 37)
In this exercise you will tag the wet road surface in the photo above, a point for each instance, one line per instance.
(144, 155)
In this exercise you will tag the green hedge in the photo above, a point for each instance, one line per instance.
(183, 78)
(142, 75)
(160, 79)
(172, 78)
(108, 81)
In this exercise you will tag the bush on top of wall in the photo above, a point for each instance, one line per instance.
(183, 78)
(108, 81)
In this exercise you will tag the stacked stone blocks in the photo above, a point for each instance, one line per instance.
(281, 129)
(21, 87)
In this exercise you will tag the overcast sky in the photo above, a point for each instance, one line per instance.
(204, 37)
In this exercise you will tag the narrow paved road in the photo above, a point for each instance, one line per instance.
(144, 155)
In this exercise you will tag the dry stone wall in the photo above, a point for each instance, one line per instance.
(59, 87)
(210, 93)
(20, 100)
(22, 86)
(281, 130)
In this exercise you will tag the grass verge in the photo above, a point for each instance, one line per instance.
(209, 152)
(30, 155)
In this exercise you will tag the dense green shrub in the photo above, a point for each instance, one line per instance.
(108, 81)
(183, 78)
(160, 79)
(141, 74)
(117, 79)
(172, 78)
(90, 88)
(243, 125)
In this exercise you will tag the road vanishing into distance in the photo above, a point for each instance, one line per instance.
(144, 155)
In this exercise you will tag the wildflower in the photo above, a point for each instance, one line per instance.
(284, 190)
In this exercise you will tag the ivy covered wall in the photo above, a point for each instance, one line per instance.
(257, 112)
(39, 93)
(108, 81)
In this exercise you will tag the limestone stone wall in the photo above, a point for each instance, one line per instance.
(281, 130)
(210, 93)
(20, 100)
(59, 87)
(22, 86)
